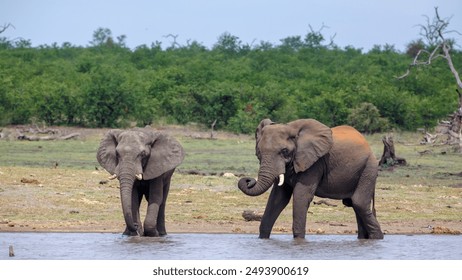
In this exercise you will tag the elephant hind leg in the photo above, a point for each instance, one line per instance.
(368, 226)
(362, 231)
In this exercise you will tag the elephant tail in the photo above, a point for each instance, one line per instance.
(373, 204)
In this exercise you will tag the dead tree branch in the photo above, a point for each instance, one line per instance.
(5, 27)
(435, 32)
(174, 43)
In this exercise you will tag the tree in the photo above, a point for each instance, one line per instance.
(314, 38)
(101, 37)
(5, 27)
(435, 32)
(228, 44)
(107, 101)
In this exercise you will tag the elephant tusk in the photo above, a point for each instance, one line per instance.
(281, 179)
(112, 177)
(139, 176)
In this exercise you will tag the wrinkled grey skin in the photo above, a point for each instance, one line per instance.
(316, 160)
(127, 153)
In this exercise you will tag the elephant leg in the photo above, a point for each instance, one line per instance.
(137, 196)
(302, 201)
(161, 216)
(277, 201)
(362, 232)
(154, 197)
(368, 226)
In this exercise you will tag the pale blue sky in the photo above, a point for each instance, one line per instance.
(360, 23)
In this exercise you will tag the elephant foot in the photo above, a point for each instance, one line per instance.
(378, 235)
(152, 233)
(131, 233)
(264, 235)
(138, 232)
(299, 235)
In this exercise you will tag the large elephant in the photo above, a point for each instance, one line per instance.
(144, 161)
(305, 158)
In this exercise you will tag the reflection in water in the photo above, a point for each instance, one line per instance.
(104, 246)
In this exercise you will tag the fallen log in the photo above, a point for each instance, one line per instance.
(47, 138)
(325, 202)
(250, 215)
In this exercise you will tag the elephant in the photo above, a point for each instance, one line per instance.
(305, 158)
(143, 160)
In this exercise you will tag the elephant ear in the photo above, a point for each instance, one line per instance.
(314, 140)
(166, 154)
(260, 127)
(258, 133)
(106, 154)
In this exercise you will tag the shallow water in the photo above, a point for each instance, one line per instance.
(107, 246)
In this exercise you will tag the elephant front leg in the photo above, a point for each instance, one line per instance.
(302, 199)
(277, 201)
(161, 216)
(137, 196)
(150, 222)
(155, 198)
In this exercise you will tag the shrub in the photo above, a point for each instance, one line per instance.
(366, 118)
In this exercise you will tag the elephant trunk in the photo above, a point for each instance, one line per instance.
(253, 187)
(127, 179)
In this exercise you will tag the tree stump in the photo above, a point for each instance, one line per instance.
(11, 251)
(389, 157)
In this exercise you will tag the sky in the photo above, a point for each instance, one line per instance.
(359, 23)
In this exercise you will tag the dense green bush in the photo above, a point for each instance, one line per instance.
(108, 85)
(366, 118)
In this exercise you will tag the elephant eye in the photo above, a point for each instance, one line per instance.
(285, 153)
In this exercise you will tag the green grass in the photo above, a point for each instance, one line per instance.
(68, 154)
(237, 155)
(202, 155)
(219, 156)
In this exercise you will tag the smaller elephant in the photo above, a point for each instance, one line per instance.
(305, 158)
(143, 160)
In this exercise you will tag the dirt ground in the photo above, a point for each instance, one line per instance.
(402, 227)
(198, 225)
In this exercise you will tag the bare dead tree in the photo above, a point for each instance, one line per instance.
(5, 27)
(174, 43)
(435, 32)
(315, 37)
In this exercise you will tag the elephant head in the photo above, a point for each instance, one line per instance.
(137, 154)
(295, 146)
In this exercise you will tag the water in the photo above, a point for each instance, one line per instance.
(107, 246)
